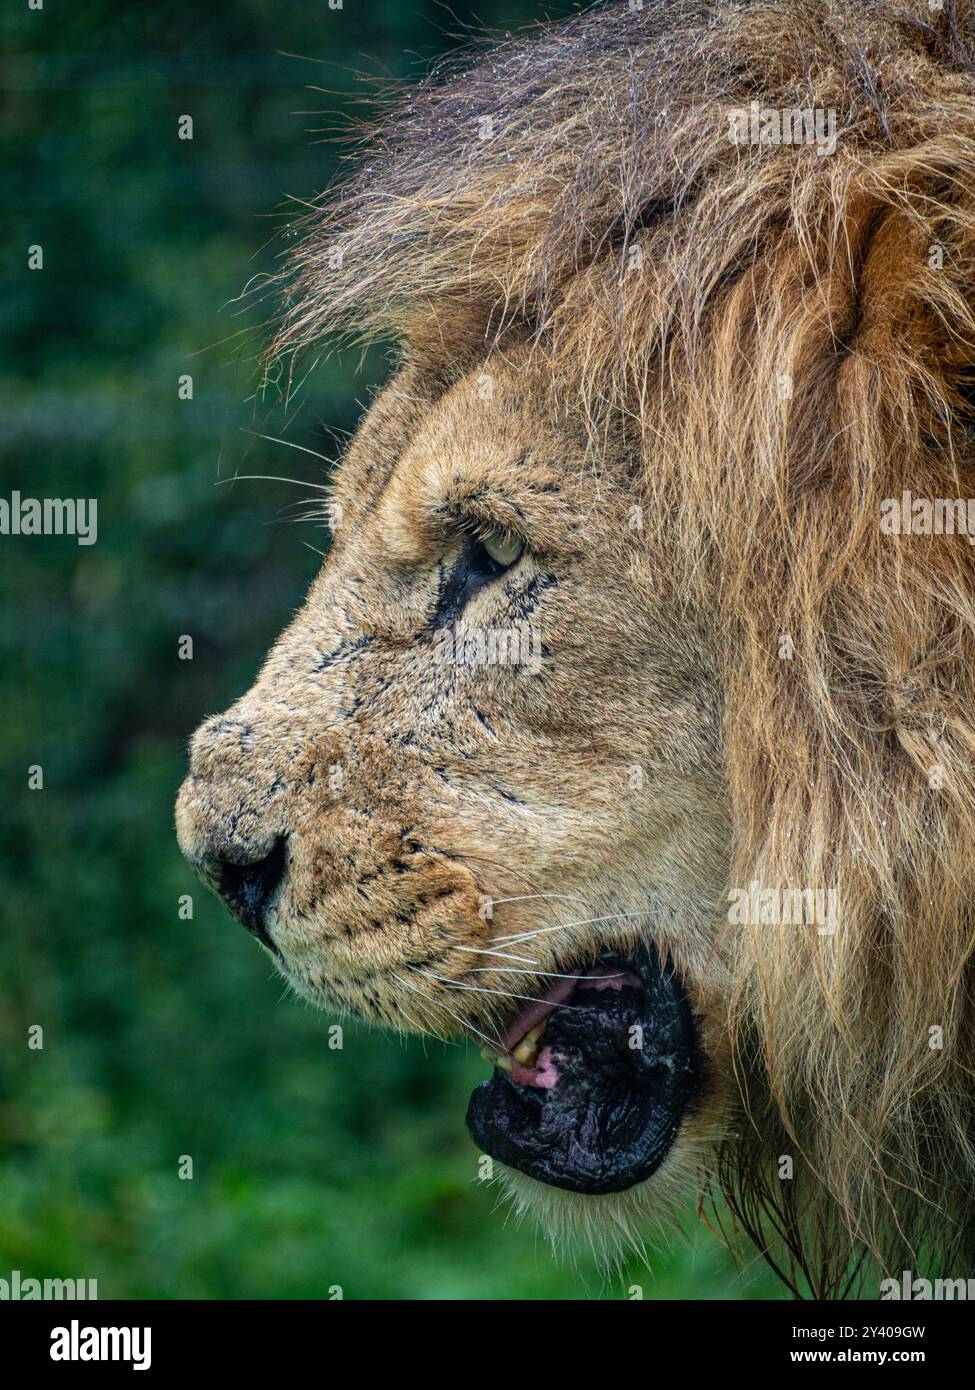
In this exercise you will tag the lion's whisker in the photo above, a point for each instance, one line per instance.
(302, 449)
(467, 1026)
(517, 937)
(487, 951)
(389, 1017)
(530, 897)
(482, 989)
(513, 970)
(267, 478)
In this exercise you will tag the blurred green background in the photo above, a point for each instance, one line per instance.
(166, 1037)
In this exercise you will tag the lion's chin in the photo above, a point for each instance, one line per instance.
(613, 1225)
(597, 1077)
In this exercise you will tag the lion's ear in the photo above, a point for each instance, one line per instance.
(449, 337)
(446, 337)
(859, 376)
(911, 307)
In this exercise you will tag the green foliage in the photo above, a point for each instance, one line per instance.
(166, 1037)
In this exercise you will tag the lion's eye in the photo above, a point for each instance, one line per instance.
(486, 556)
(503, 549)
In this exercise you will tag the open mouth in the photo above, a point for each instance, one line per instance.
(595, 1078)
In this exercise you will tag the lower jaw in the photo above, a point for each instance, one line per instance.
(618, 1069)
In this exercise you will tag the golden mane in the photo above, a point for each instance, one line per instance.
(788, 336)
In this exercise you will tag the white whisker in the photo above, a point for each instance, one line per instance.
(542, 974)
(487, 951)
(530, 897)
(302, 449)
(267, 478)
(467, 1027)
(516, 937)
(482, 989)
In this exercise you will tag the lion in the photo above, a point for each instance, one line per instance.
(628, 729)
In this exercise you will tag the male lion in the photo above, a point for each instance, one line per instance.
(629, 727)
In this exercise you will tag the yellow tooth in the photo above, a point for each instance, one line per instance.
(524, 1053)
(496, 1059)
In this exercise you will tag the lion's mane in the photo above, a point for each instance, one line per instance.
(788, 336)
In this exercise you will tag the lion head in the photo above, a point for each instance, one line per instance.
(629, 727)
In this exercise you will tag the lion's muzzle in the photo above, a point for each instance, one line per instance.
(231, 822)
(247, 884)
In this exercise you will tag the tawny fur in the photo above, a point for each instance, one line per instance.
(567, 218)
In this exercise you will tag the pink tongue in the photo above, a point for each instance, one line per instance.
(603, 977)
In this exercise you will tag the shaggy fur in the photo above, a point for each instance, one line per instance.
(760, 343)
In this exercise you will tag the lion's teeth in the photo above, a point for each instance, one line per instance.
(497, 1059)
(524, 1053)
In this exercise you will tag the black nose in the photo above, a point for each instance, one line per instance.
(248, 888)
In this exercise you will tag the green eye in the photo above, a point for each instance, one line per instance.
(503, 549)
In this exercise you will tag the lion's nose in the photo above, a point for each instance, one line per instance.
(248, 888)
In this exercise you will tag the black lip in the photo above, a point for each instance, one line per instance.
(611, 1119)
